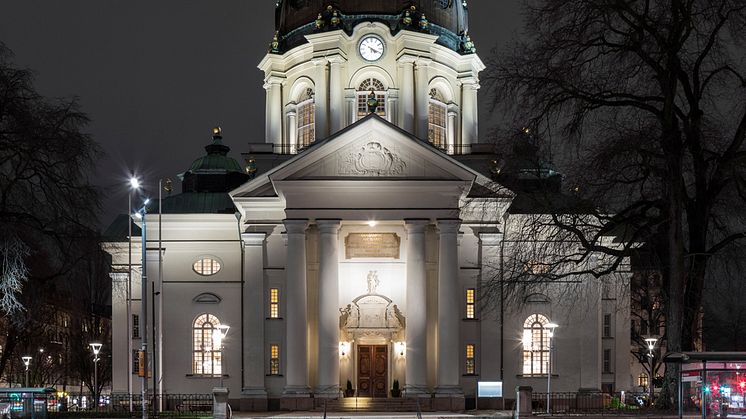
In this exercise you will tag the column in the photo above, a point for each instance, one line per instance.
(336, 100)
(296, 340)
(350, 106)
(392, 99)
(253, 318)
(406, 114)
(416, 362)
(321, 98)
(451, 126)
(291, 130)
(273, 121)
(422, 98)
(328, 371)
(469, 123)
(448, 309)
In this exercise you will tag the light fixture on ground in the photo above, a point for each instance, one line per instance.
(26, 362)
(551, 327)
(218, 336)
(651, 341)
(96, 348)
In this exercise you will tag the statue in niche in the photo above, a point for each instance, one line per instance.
(373, 282)
(400, 317)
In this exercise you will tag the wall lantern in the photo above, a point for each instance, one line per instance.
(344, 349)
(400, 348)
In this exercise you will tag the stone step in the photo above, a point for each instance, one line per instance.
(367, 404)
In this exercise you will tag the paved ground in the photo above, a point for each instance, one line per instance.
(485, 414)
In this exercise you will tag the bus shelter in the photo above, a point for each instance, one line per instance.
(712, 383)
(25, 402)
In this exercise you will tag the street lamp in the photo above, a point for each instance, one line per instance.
(26, 361)
(141, 214)
(96, 348)
(218, 335)
(134, 185)
(551, 327)
(651, 341)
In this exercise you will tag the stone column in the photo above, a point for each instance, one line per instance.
(336, 100)
(350, 106)
(416, 362)
(451, 125)
(469, 121)
(321, 98)
(273, 128)
(448, 309)
(296, 341)
(422, 98)
(291, 131)
(392, 100)
(253, 320)
(406, 114)
(328, 372)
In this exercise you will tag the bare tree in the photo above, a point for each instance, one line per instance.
(641, 104)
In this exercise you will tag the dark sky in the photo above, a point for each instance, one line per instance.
(156, 76)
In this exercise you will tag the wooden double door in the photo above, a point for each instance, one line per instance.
(372, 377)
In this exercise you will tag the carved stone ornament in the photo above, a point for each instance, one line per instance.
(373, 159)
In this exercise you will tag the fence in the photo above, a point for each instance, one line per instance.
(117, 405)
(589, 402)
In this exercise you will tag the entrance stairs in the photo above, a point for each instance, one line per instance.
(371, 404)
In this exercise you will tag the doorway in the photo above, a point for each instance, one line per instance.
(372, 378)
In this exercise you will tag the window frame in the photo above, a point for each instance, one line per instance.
(274, 305)
(212, 355)
(274, 364)
(213, 259)
(361, 98)
(470, 312)
(135, 326)
(470, 355)
(606, 327)
(607, 361)
(437, 103)
(534, 335)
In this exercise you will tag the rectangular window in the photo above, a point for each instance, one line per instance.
(470, 303)
(135, 326)
(274, 303)
(470, 363)
(607, 360)
(607, 325)
(362, 104)
(135, 361)
(306, 127)
(274, 360)
(436, 124)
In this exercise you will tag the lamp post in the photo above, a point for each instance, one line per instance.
(142, 214)
(651, 341)
(218, 335)
(550, 327)
(134, 185)
(96, 348)
(26, 362)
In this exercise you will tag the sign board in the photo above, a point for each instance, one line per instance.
(372, 245)
(490, 389)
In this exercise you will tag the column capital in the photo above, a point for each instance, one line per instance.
(490, 239)
(337, 59)
(422, 62)
(406, 59)
(328, 226)
(272, 81)
(416, 225)
(296, 225)
(449, 225)
(319, 61)
(253, 239)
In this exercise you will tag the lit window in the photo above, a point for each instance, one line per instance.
(470, 302)
(436, 120)
(642, 380)
(206, 266)
(274, 303)
(274, 360)
(364, 90)
(135, 326)
(207, 356)
(535, 345)
(470, 364)
(306, 119)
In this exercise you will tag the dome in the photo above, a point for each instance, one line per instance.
(296, 18)
(215, 171)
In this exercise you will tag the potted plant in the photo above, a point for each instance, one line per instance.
(349, 391)
(395, 390)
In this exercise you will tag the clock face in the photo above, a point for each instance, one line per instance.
(371, 48)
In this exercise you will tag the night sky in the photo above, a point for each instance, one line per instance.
(156, 76)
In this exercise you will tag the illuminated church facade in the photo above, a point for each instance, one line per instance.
(354, 243)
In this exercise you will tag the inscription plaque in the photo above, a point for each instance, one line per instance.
(372, 245)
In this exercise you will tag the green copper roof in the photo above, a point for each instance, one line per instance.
(216, 160)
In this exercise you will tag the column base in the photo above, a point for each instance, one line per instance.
(254, 392)
(449, 391)
(413, 390)
(327, 392)
(296, 398)
(449, 398)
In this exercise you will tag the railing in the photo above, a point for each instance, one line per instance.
(125, 405)
(590, 402)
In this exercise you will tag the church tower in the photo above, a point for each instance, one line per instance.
(330, 60)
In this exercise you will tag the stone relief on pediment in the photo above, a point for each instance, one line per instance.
(373, 159)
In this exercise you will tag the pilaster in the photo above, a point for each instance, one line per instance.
(448, 309)
(328, 371)
(336, 100)
(406, 75)
(416, 361)
(321, 98)
(422, 97)
(253, 317)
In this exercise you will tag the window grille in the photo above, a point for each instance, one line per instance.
(207, 355)
(367, 86)
(436, 120)
(607, 325)
(535, 345)
(135, 326)
(274, 360)
(470, 360)
(306, 126)
(607, 360)
(274, 303)
(470, 303)
(206, 266)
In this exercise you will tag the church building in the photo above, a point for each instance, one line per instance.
(354, 244)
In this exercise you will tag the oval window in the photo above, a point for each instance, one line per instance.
(206, 266)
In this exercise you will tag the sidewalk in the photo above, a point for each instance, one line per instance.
(482, 414)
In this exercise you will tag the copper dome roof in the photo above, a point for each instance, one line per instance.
(295, 18)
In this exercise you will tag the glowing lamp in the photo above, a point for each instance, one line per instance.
(372, 223)
(742, 385)
(344, 349)
(400, 348)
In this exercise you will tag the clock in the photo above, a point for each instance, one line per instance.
(371, 48)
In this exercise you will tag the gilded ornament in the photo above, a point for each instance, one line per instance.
(335, 19)
(319, 22)
(423, 22)
(407, 20)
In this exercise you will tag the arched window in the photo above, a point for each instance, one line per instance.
(306, 120)
(436, 119)
(364, 90)
(206, 354)
(535, 345)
